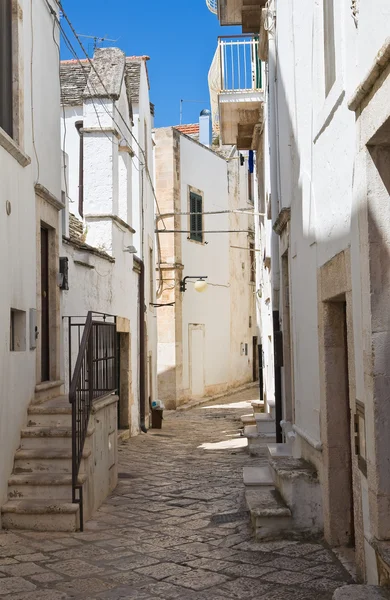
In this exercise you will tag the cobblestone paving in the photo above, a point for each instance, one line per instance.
(161, 534)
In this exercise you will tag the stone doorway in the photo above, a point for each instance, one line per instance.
(336, 353)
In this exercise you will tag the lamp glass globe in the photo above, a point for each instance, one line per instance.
(200, 285)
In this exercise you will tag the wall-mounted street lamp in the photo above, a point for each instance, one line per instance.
(200, 284)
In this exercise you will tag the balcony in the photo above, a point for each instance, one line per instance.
(212, 5)
(235, 82)
(241, 12)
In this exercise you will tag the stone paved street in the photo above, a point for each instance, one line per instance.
(161, 535)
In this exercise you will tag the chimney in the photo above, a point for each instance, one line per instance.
(205, 128)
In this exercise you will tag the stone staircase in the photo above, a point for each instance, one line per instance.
(40, 487)
(259, 428)
(284, 497)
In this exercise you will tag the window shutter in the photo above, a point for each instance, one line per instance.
(199, 219)
(192, 216)
(196, 217)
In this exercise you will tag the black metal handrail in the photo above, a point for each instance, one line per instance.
(94, 375)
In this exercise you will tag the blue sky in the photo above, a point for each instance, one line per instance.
(179, 37)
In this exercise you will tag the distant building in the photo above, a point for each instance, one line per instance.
(108, 150)
(207, 342)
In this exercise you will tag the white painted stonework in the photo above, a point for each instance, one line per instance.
(206, 340)
(328, 164)
(118, 214)
(21, 167)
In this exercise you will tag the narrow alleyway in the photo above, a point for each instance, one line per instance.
(162, 534)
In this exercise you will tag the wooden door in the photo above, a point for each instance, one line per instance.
(45, 320)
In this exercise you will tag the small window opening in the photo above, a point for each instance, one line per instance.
(17, 330)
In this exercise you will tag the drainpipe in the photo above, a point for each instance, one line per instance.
(142, 362)
(275, 209)
(79, 127)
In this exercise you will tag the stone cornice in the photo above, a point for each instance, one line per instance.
(44, 193)
(107, 217)
(281, 222)
(104, 130)
(86, 248)
(382, 60)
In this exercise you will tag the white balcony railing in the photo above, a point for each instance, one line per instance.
(212, 5)
(236, 68)
(239, 63)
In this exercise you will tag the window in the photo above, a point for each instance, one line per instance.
(17, 329)
(196, 217)
(252, 258)
(6, 76)
(329, 45)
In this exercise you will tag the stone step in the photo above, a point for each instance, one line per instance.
(257, 477)
(265, 423)
(270, 517)
(49, 460)
(275, 450)
(361, 592)
(248, 420)
(40, 515)
(56, 412)
(257, 442)
(258, 406)
(58, 438)
(47, 390)
(42, 485)
(297, 481)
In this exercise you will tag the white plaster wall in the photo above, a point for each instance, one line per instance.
(17, 231)
(207, 172)
(323, 173)
(112, 186)
(70, 142)
(242, 290)
(100, 285)
(144, 211)
(316, 150)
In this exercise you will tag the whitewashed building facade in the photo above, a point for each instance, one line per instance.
(30, 197)
(326, 136)
(207, 342)
(109, 236)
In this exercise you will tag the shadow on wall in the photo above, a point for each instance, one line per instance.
(368, 236)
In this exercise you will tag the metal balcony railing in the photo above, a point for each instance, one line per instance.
(240, 66)
(212, 5)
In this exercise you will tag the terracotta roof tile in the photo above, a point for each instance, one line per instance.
(191, 129)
